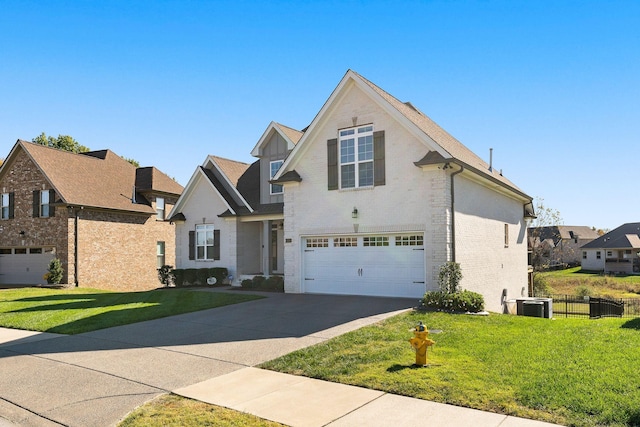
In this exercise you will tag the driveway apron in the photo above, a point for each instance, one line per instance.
(97, 378)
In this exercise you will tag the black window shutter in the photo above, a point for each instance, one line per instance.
(216, 244)
(332, 164)
(36, 204)
(378, 158)
(11, 204)
(52, 199)
(192, 244)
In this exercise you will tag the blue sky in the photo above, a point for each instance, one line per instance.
(552, 86)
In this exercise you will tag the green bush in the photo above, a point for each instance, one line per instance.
(178, 277)
(464, 301)
(190, 276)
(541, 286)
(165, 275)
(258, 281)
(274, 283)
(220, 273)
(198, 276)
(55, 272)
(247, 284)
(449, 277)
(584, 291)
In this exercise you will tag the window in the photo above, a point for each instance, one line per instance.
(375, 241)
(42, 201)
(44, 204)
(342, 242)
(160, 208)
(318, 242)
(204, 242)
(274, 167)
(5, 251)
(417, 240)
(609, 254)
(6, 205)
(20, 251)
(584, 254)
(160, 254)
(35, 250)
(356, 157)
(598, 254)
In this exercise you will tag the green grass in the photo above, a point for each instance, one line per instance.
(171, 410)
(568, 371)
(73, 311)
(567, 281)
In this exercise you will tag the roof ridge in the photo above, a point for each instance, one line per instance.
(227, 159)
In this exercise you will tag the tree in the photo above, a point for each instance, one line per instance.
(67, 143)
(62, 142)
(545, 217)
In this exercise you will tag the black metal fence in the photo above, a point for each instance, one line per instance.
(594, 307)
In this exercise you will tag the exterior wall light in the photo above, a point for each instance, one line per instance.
(354, 213)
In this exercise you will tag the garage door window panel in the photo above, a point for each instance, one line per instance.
(375, 241)
(417, 240)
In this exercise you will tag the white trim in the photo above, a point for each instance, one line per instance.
(273, 126)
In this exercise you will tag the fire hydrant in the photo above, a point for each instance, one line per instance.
(420, 342)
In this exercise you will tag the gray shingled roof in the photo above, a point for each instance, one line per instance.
(627, 236)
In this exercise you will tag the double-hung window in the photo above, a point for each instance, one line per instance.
(356, 157)
(204, 242)
(273, 169)
(5, 206)
(160, 208)
(44, 204)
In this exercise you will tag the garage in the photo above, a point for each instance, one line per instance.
(374, 265)
(24, 266)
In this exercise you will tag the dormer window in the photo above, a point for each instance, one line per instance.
(274, 167)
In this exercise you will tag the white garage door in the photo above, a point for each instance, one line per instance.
(24, 266)
(380, 265)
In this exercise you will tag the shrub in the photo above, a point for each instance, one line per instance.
(584, 291)
(220, 273)
(464, 301)
(165, 275)
(247, 284)
(258, 281)
(190, 276)
(55, 272)
(274, 283)
(449, 277)
(178, 277)
(541, 286)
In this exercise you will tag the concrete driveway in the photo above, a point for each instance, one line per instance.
(96, 378)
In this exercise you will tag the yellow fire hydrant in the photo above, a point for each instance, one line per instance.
(420, 342)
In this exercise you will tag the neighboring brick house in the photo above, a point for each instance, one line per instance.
(101, 216)
(370, 199)
(616, 252)
(558, 245)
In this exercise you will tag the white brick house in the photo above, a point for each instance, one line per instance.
(377, 197)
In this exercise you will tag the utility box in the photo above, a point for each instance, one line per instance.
(547, 307)
(533, 308)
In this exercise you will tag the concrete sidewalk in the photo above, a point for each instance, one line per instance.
(307, 402)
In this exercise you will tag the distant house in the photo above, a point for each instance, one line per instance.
(372, 198)
(101, 216)
(558, 245)
(618, 251)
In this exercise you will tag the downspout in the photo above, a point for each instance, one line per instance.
(453, 215)
(75, 245)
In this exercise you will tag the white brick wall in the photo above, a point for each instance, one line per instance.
(413, 199)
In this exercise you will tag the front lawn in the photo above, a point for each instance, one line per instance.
(73, 311)
(568, 371)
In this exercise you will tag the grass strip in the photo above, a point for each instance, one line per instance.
(170, 410)
(78, 310)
